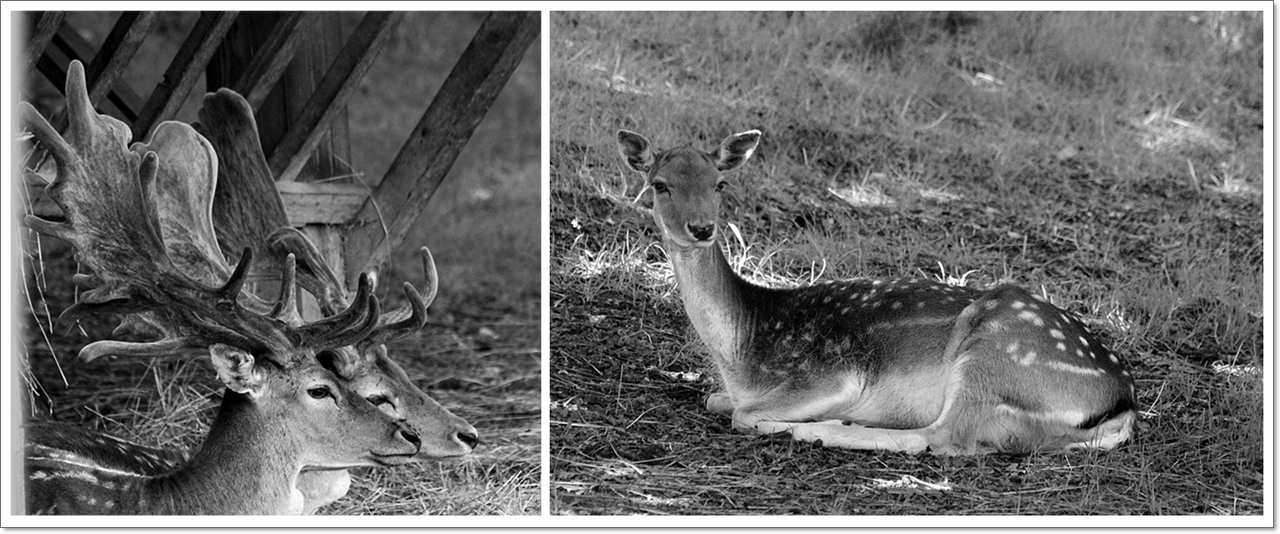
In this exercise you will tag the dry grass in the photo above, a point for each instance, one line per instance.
(1016, 148)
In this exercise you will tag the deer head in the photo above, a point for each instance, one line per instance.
(248, 213)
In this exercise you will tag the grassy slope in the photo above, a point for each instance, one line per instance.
(479, 357)
(1114, 164)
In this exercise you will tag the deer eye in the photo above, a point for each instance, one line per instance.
(381, 401)
(720, 186)
(319, 392)
(659, 187)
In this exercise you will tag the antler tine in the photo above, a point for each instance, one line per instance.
(314, 272)
(353, 315)
(163, 347)
(231, 290)
(339, 337)
(47, 137)
(407, 320)
(386, 333)
(431, 276)
(286, 307)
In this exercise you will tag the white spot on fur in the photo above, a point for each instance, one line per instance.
(1063, 366)
(1031, 317)
(1062, 347)
(1018, 305)
(1057, 334)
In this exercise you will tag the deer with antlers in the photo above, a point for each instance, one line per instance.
(296, 401)
(248, 213)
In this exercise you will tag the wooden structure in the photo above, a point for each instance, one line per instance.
(298, 76)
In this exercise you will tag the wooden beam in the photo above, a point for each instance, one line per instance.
(68, 45)
(42, 31)
(304, 203)
(110, 61)
(269, 62)
(332, 150)
(187, 67)
(331, 94)
(431, 149)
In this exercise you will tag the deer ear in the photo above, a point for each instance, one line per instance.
(636, 151)
(236, 369)
(736, 150)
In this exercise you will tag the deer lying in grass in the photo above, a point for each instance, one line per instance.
(899, 364)
(247, 213)
(286, 409)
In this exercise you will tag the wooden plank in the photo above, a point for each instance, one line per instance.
(301, 81)
(110, 61)
(431, 149)
(122, 103)
(270, 60)
(187, 66)
(45, 27)
(333, 153)
(304, 203)
(321, 203)
(331, 94)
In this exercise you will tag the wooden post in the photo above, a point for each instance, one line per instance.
(42, 26)
(450, 119)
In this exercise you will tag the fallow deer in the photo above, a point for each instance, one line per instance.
(283, 411)
(896, 364)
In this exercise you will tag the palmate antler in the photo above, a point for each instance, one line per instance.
(248, 212)
(142, 263)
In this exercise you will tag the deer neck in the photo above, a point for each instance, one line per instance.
(236, 471)
(713, 298)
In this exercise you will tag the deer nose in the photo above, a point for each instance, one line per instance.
(470, 439)
(701, 232)
(411, 437)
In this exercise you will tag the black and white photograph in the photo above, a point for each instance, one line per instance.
(277, 263)
(853, 265)
(907, 264)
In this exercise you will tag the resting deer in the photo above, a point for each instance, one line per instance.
(247, 213)
(284, 410)
(898, 364)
